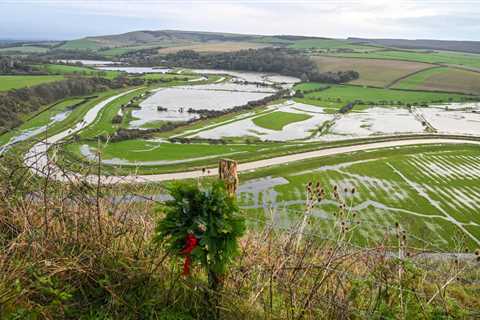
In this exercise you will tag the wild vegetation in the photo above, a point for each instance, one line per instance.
(388, 233)
(96, 257)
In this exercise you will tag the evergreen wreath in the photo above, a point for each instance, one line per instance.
(201, 225)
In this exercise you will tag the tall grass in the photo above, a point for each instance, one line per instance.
(73, 251)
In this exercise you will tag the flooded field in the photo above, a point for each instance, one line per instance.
(178, 100)
(453, 121)
(293, 131)
(374, 121)
(90, 62)
(136, 69)
(322, 126)
(29, 133)
(253, 76)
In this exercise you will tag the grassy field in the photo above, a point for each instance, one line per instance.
(215, 47)
(61, 69)
(348, 93)
(17, 82)
(143, 150)
(442, 57)
(330, 44)
(392, 185)
(277, 120)
(444, 79)
(373, 72)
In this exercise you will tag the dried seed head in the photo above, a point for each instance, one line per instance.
(353, 190)
(477, 252)
(335, 187)
(345, 190)
(397, 225)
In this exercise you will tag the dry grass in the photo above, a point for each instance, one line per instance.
(215, 47)
(373, 72)
(72, 251)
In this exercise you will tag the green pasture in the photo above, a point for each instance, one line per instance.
(417, 79)
(72, 69)
(439, 208)
(21, 81)
(436, 57)
(277, 120)
(329, 44)
(348, 93)
(144, 150)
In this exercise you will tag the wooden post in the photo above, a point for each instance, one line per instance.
(227, 171)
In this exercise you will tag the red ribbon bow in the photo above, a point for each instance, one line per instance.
(190, 244)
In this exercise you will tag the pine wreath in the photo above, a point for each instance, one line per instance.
(201, 225)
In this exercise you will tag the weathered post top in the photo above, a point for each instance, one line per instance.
(227, 171)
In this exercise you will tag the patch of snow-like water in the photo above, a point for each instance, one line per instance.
(90, 62)
(292, 131)
(136, 69)
(178, 100)
(252, 76)
(453, 122)
(373, 121)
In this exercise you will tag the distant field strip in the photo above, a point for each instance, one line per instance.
(444, 79)
(349, 93)
(17, 82)
(441, 57)
(373, 72)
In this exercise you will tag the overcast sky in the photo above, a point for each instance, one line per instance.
(420, 19)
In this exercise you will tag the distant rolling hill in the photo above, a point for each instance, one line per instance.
(172, 40)
(163, 38)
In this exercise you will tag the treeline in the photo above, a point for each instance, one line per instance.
(14, 66)
(270, 60)
(22, 101)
